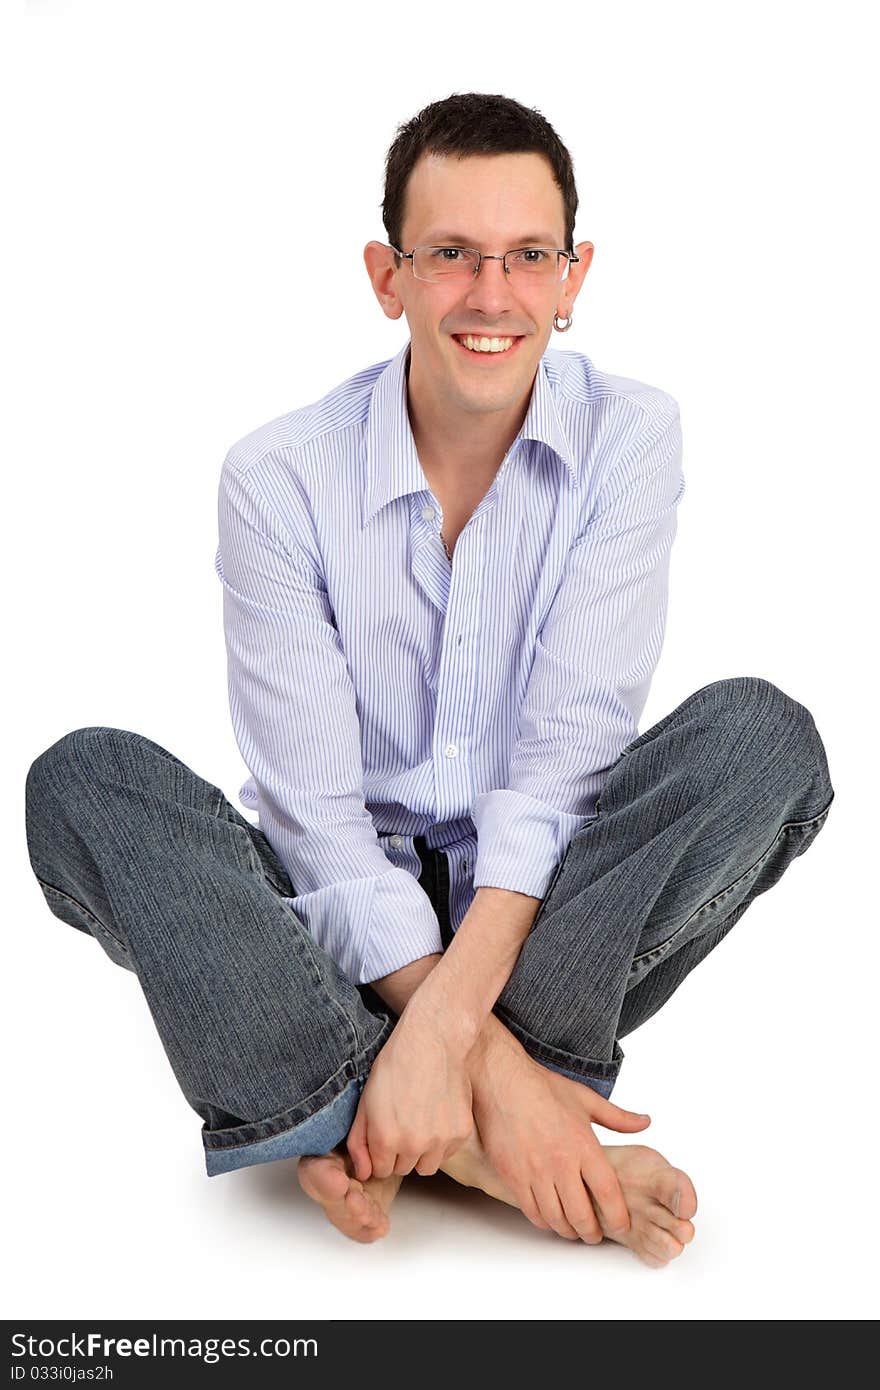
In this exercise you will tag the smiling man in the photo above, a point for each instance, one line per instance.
(478, 321)
(445, 590)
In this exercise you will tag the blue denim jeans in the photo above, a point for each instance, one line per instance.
(271, 1042)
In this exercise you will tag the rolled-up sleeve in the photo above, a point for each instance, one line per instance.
(294, 714)
(595, 656)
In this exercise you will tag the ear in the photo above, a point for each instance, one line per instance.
(570, 286)
(379, 260)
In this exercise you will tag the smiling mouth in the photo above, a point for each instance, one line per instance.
(488, 348)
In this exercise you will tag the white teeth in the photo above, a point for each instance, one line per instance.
(486, 344)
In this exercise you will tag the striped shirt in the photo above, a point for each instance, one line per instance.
(379, 691)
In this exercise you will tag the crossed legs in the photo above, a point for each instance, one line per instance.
(271, 1043)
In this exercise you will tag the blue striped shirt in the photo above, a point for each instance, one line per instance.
(379, 691)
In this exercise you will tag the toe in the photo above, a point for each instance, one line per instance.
(661, 1243)
(368, 1221)
(323, 1179)
(662, 1216)
(675, 1190)
(651, 1260)
(357, 1204)
(367, 1207)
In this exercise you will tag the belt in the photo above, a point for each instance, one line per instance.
(434, 878)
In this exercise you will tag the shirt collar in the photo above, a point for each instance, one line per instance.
(392, 462)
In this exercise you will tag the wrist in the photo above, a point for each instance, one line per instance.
(433, 1007)
(478, 962)
(494, 1047)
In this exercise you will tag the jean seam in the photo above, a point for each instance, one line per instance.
(549, 889)
(269, 873)
(48, 888)
(662, 948)
(274, 1125)
(253, 866)
(597, 807)
(256, 860)
(272, 880)
(319, 984)
(541, 1051)
(346, 1073)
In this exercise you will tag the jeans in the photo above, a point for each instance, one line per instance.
(270, 1041)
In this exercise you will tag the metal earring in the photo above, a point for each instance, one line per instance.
(562, 327)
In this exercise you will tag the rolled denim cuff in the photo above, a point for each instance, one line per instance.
(590, 1071)
(315, 1126)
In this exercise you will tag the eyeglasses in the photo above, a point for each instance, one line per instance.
(526, 264)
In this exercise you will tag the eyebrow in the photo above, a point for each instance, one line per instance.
(531, 239)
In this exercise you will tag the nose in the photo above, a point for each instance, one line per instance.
(489, 292)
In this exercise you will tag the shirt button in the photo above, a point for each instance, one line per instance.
(397, 841)
(451, 750)
(428, 513)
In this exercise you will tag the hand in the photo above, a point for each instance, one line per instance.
(535, 1127)
(415, 1109)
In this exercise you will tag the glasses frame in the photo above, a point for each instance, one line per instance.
(570, 257)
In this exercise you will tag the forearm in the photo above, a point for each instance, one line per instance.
(494, 1042)
(398, 987)
(481, 957)
(456, 992)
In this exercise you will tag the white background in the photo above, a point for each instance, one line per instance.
(190, 188)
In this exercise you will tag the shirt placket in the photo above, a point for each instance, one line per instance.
(459, 664)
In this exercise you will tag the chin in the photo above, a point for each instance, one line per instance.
(482, 402)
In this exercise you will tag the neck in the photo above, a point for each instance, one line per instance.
(457, 440)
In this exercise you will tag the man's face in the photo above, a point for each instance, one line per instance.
(493, 203)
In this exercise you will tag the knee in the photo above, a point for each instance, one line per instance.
(753, 697)
(760, 709)
(56, 769)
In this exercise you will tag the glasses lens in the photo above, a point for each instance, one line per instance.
(535, 263)
(443, 263)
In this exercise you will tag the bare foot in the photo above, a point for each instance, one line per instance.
(358, 1209)
(660, 1199)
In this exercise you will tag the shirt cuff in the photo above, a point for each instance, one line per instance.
(520, 841)
(371, 926)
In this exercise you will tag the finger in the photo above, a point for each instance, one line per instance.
(404, 1163)
(453, 1147)
(430, 1161)
(383, 1161)
(607, 1194)
(356, 1143)
(611, 1116)
(550, 1208)
(528, 1205)
(578, 1210)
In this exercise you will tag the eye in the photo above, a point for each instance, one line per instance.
(533, 255)
(447, 253)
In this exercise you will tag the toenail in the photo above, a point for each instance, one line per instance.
(676, 1201)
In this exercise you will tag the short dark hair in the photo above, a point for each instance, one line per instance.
(474, 123)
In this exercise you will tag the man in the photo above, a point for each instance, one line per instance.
(444, 597)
